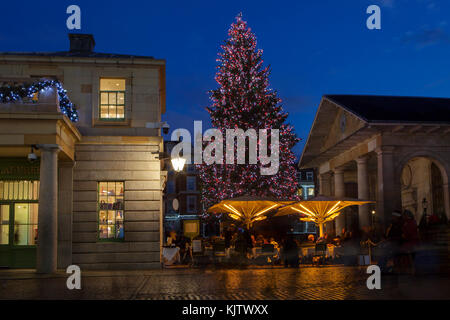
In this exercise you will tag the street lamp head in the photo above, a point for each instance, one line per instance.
(178, 163)
(373, 212)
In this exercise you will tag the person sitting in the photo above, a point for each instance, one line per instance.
(172, 238)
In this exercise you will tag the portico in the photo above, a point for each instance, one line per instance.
(361, 144)
(42, 125)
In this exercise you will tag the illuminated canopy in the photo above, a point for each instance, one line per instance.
(248, 209)
(319, 209)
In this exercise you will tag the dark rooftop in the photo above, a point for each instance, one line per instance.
(77, 54)
(394, 108)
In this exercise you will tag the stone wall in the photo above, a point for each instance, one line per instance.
(138, 166)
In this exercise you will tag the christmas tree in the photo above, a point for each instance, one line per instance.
(244, 100)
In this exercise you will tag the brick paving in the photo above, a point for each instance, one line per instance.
(311, 283)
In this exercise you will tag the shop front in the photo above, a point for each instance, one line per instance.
(19, 204)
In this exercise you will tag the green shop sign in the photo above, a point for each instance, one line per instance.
(18, 169)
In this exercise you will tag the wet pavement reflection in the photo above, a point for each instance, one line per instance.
(231, 284)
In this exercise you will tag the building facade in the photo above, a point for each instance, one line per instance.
(93, 197)
(393, 150)
(306, 183)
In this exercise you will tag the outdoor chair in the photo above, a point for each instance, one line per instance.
(268, 253)
(198, 253)
(219, 251)
(320, 253)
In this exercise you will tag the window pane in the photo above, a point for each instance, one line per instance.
(21, 213)
(103, 98)
(112, 112)
(103, 231)
(112, 84)
(120, 112)
(110, 215)
(121, 98)
(4, 224)
(112, 98)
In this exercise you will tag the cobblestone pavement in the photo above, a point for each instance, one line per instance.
(230, 284)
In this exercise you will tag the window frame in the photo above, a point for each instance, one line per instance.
(100, 91)
(187, 204)
(115, 239)
(195, 183)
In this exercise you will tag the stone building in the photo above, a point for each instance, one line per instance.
(394, 150)
(95, 194)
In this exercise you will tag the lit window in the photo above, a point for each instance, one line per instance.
(300, 192)
(110, 210)
(25, 224)
(19, 190)
(191, 204)
(112, 99)
(4, 224)
(310, 191)
(190, 183)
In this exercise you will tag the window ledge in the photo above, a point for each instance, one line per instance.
(109, 123)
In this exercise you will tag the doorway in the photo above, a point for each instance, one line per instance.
(18, 223)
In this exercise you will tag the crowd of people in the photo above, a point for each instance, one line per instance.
(394, 246)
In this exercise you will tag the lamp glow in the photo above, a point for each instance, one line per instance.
(178, 163)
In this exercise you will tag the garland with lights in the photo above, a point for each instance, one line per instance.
(10, 94)
(244, 100)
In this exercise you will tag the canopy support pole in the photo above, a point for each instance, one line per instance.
(321, 230)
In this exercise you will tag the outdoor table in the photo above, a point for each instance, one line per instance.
(308, 251)
(256, 251)
(170, 255)
(331, 251)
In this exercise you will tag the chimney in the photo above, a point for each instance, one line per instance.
(81, 42)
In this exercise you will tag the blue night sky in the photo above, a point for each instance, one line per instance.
(313, 47)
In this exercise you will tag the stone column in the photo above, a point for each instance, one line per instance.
(339, 192)
(65, 213)
(325, 190)
(388, 185)
(48, 210)
(363, 192)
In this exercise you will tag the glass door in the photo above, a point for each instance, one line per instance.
(25, 224)
(18, 234)
(5, 215)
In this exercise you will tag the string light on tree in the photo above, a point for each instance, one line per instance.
(244, 100)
